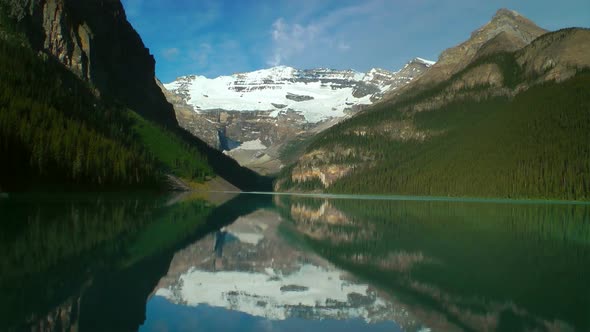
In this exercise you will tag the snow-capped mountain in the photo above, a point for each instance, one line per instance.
(317, 94)
(270, 107)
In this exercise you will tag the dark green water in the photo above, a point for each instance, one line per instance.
(286, 263)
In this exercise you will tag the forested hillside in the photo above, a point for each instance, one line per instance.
(533, 144)
(54, 131)
(537, 145)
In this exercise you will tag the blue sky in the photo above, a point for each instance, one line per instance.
(221, 37)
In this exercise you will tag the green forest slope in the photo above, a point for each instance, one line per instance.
(54, 131)
(537, 145)
(533, 145)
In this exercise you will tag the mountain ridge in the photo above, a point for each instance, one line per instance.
(518, 30)
(274, 77)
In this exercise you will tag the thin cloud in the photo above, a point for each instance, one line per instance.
(170, 53)
(290, 40)
(201, 55)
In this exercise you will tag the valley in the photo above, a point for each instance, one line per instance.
(254, 116)
(217, 166)
(503, 111)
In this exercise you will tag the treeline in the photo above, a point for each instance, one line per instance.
(54, 131)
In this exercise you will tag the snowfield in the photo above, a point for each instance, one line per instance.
(311, 286)
(259, 90)
(317, 94)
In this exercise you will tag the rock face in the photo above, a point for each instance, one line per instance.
(94, 39)
(556, 56)
(318, 165)
(276, 106)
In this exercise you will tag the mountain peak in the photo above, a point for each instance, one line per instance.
(511, 26)
(505, 12)
(509, 21)
(506, 31)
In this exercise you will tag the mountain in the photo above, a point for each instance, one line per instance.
(504, 114)
(256, 115)
(507, 31)
(80, 107)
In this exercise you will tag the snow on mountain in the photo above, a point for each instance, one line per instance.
(317, 97)
(426, 62)
(312, 287)
(252, 145)
(316, 94)
(248, 267)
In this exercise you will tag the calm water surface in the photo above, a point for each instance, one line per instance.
(288, 263)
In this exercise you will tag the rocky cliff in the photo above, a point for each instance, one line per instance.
(94, 39)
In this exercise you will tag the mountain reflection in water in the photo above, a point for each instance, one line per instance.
(250, 267)
(287, 263)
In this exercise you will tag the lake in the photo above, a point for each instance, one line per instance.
(258, 262)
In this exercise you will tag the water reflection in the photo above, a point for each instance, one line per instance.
(461, 266)
(285, 263)
(88, 262)
(256, 266)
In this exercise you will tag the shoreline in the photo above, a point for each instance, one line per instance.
(381, 197)
(425, 198)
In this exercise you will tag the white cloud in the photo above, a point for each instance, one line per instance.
(289, 40)
(170, 53)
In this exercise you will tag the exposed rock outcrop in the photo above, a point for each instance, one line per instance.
(327, 174)
(94, 39)
(556, 55)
